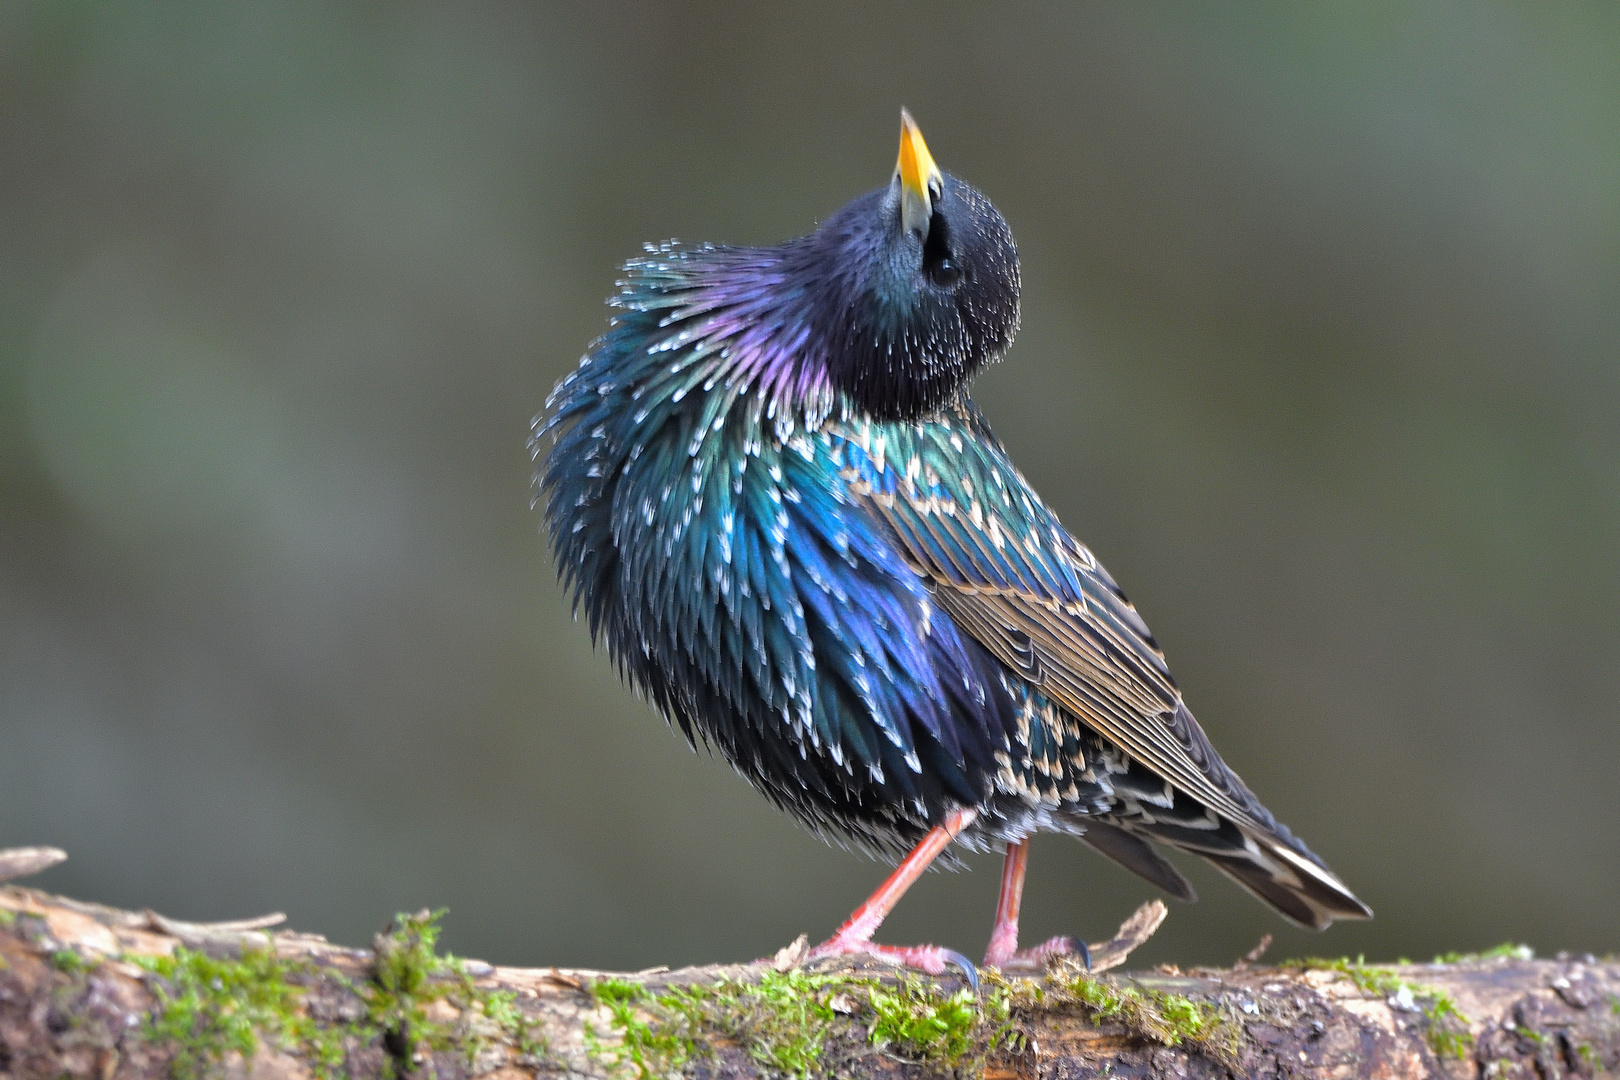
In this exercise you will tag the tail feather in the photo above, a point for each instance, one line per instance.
(1275, 894)
(1273, 866)
(1298, 889)
(1314, 884)
(1137, 855)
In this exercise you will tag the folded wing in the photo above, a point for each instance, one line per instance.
(1007, 572)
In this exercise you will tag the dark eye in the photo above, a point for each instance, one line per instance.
(944, 272)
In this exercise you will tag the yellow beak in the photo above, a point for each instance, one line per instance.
(921, 184)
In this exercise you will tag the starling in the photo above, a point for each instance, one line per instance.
(773, 499)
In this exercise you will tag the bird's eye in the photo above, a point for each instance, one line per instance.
(944, 272)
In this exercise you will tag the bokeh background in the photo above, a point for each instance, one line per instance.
(1321, 354)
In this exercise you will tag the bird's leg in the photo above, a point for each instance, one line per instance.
(1004, 934)
(855, 936)
(1003, 951)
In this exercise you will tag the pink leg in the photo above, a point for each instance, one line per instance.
(1003, 951)
(855, 936)
(1004, 935)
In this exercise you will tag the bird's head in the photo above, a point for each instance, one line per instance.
(914, 284)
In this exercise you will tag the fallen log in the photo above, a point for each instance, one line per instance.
(97, 992)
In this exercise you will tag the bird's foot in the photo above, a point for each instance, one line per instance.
(929, 958)
(1008, 957)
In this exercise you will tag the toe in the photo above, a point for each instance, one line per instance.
(928, 958)
(1035, 958)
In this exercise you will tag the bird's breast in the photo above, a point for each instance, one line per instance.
(747, 583)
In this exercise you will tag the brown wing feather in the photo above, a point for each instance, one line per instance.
(1007, 573)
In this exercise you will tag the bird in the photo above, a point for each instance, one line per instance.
(772, 498)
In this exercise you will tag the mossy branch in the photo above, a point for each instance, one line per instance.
(90, 991)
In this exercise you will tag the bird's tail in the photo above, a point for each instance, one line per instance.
(1301, 889)
(1269, 862)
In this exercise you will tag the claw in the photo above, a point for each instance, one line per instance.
(971, 973)
(1074, 946)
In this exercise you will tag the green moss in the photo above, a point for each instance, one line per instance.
(802, 1025)
(500, 1006)
(612, 992)
(1447, 1032)
(69, 962)
(1589, 1057)
(1505, 951)
(1534, 1037)
(783, 1020)
(653, 1037)
(922, 1023)
(409, 976)
(925, 1024)
(792, 1024)
(402, 984)
(209, 1006)
(1154, 1015)
(8, 918)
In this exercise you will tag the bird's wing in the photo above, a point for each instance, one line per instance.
(1008, 573)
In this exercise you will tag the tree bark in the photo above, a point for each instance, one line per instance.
(91, 991)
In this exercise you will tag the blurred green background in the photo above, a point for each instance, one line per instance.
(1321, 355)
